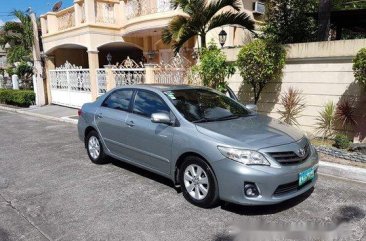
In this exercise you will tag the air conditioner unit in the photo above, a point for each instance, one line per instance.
(259, 8)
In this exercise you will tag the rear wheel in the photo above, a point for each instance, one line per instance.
(94, 148)
(198, 182)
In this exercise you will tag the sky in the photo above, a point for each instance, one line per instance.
(38, 6)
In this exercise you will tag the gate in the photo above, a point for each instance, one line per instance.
(126, 73)
(70, 85)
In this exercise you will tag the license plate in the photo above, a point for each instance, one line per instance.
(306, 175)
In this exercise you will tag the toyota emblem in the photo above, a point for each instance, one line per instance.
(301, 152)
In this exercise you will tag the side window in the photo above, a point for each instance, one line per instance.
(119, 100)
(147, 103)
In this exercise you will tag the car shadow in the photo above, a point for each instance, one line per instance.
(144, 173)
(267, 209)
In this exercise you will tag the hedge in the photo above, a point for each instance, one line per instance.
(22, 98)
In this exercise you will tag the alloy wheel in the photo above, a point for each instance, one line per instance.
(196, 182)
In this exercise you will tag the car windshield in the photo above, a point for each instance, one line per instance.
(201, 105)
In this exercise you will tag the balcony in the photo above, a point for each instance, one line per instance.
(104, 13)
(83, 13)
(137, 8)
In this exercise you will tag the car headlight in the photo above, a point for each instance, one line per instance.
(246, 157)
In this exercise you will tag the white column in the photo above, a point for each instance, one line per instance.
(15, 81)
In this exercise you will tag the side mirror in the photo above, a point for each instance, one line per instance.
(252, 107)
(162, 118)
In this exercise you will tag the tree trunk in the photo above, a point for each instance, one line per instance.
(324, 19)
(203, 40)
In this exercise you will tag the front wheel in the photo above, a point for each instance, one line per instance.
(95, 149)
(198, 182)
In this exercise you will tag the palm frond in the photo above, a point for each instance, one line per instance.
(215, 6)
(166, 36)
(186, 35)
(228, 18)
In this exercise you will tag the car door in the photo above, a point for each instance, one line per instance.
(151, 142)
(111, 121)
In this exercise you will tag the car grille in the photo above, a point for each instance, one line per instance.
(290, 157)
(289, 187)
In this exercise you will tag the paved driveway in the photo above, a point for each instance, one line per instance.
(51, 191)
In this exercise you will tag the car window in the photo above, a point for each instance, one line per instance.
(147, 103)
(201, 105)
(119, 100)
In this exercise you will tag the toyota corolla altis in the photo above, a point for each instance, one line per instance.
(211, 145)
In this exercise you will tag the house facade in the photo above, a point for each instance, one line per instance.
(82, 42)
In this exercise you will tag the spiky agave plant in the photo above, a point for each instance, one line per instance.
(325, 120)
(346, 113)
(293, 104)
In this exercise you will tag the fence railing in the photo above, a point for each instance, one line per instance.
(129, 76)
(77, 80)
(101, 81)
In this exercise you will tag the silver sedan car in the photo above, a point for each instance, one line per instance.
(211, 145)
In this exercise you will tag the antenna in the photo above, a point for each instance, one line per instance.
(57, 6)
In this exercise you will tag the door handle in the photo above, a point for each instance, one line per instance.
(99, 116)
(130, 124)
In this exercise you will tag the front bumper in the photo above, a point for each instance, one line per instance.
(231, 176)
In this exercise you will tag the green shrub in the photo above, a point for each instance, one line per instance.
(213, 68)
(341, 141)
(359, 68)
(260, 62)
(22, 98)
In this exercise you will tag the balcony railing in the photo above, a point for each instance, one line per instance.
(137, 8)
(105, 12)
(66, 18)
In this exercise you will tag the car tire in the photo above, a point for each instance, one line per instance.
(94, 148)
(198, 182)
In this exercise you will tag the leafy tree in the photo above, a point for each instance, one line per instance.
(290, 21)
(359, 68)
(20, 37)
(260, 62)
(200, 17)
(213, 68)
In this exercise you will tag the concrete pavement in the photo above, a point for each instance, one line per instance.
(51, 191)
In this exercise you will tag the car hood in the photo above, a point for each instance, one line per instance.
(252, 132)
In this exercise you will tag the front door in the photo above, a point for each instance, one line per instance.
(151, 142)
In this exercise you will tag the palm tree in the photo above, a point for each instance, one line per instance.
(201, 17)
(19, 35)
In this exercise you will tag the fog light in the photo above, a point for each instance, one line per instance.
(250, 189)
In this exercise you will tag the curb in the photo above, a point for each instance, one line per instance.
(325, 168)
(47, 117)
(342, 171)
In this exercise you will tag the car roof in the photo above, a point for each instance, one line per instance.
(164, 87)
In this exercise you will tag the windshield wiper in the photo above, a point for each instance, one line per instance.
(202, 120)
(228, 117)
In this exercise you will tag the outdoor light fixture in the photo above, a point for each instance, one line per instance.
(222, 37)
(151, 54)
(109, 58)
